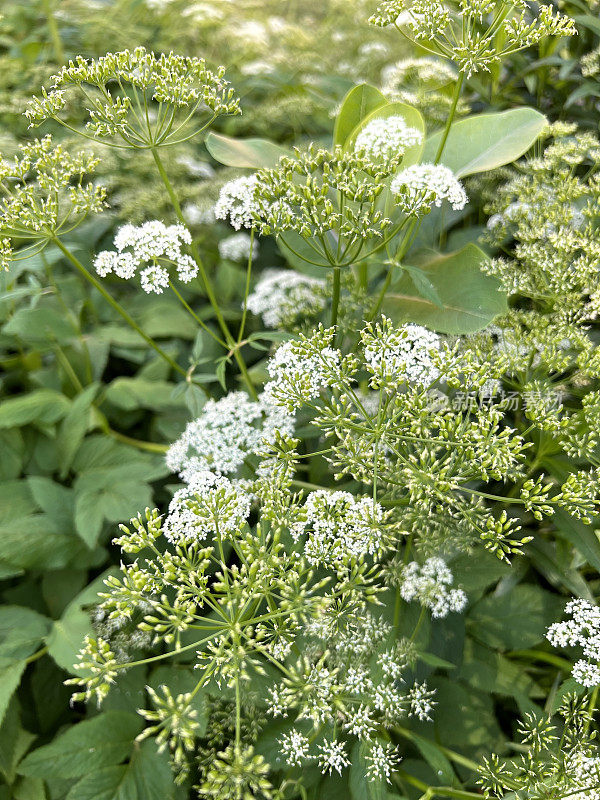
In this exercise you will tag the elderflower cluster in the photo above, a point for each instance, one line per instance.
(151, 247)
(226, 433)
(386, 138)
(209, 505)
(582, 630)
(435, 179)
(409, 353)
(237, 202)
(430, 584)
(282, 295)
(339, 527)
(470, 38)
(302, 368)
(182, 82)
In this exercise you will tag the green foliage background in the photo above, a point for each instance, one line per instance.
(85, 411)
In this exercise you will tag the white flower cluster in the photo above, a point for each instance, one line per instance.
(237, 201)
(282, 295)
(583, 630)
(300, 369)
(332, 756)
(225, 433)
(584, 771)
(431, 585)
(339, 527)
(410, 353)
(421, 701)
(152, 246)
(431, 178)
(238, 247)
(386, 137)
(210, 504)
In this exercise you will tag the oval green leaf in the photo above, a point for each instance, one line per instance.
(356, 105)
(470, 299)
(245, 153)
(486, 141)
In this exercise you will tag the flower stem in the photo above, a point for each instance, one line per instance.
(455, 98)
(335, 297)
(193, 314)
(208, 287)
(117, 306)
(36, 655)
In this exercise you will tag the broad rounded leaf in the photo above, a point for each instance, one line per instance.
(470, 299)
(356, 105)
(247, 153)
(486, 141)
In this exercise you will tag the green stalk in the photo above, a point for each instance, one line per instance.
(117, 306)
(208, 287)
(335, 297)
(455, 98)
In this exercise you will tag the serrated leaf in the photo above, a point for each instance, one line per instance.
(146, 777)
(10, 677)
(43, 405)
(21, 632)
(66, 636)
(41, 324)
(34, 541)
(582, 537)
(85, 748)
(74, 427)
(133, 393)
(55, 500)
(470, 298)
(516, 620)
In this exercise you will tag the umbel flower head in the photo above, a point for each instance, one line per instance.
(225, 434)
(582, 630)
(153, 247)
(283, 296)
(145, 100)
(474, 34)
(44, 193)
(331, 199)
